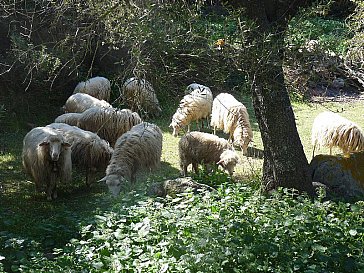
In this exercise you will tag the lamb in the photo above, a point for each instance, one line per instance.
(140, 96)
(69, 118)
(89, 151)
(332, 130)
(46, 157)
(80, 102)
(193, 107)
(232, 117)
(203, 148)
(141, 147)
(108, 123)
(98, 87)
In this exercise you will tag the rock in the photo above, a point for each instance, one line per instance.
(175, 186)
(343, 176)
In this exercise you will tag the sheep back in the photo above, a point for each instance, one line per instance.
(80, 102)
(139, 148)
(193, 107)
(201, 148)
(232, 117)
(98, 87)
(68, 118)
(108, 123)
(140, 96)
(332, 130)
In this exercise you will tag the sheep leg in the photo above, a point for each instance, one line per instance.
(198, 125)
(133, 178)
(313, 151)
(183, 170)
(195, 167)
(330, 150)
(214, 130)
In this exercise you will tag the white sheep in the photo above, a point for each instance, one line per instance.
(332, 130)
(108, 123)
(193, 107)
(232, 117)
(89, 151)
(46, 157)
(80, 102)
(69, 118)
(140, 96)
(141, 147)
(202, 148)
(98, 87)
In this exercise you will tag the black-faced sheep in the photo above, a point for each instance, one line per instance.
(193, 107)
(98, 87)
(108, 123)
(201, 148)
(141, 147)
(332, 130)
(89, 151)
(232, 117)
(46, 158)
(80, 102)
(195, 86)
(69, 118)
(140, 96)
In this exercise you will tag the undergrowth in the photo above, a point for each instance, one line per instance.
(235, 229)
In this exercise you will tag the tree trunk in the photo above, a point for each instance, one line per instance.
(285, 163)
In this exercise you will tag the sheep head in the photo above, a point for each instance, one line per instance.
(114, 182)
(228, 160)
(55, 146)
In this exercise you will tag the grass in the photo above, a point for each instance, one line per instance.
(36, 233)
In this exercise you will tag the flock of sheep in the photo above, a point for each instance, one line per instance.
(96, 137)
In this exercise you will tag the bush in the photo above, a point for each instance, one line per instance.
(235, 230)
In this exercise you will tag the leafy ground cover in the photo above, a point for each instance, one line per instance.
(235, 229)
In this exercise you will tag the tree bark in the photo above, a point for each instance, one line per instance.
(285, 164)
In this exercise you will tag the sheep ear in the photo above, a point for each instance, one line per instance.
(44, 143)
(221, 162)
(66, 144)
(102, 179)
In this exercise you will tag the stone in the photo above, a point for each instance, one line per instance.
(175, 186)
(343, 176)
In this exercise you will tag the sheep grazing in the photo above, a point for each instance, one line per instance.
(193, 107)
(201, 148)
(69, 118)
(232, 117)
(141, 147)
(108, 123)
(89, 151)
(139, 95)
(46, 158)
(332, 130)
(98, 87)
(80, 102)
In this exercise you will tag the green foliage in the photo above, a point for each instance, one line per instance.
(331, 34)
(234, 230)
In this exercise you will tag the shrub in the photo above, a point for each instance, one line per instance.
(235, 230)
